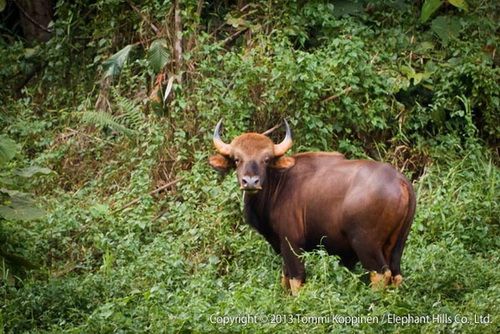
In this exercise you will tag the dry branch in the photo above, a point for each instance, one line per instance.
(272, 129)
(138, 11)
(233, 36)
(73, 132)
(333, 97)
(157, 190)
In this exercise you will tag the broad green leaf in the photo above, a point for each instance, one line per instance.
(114, 64)
(410, 73)
(426, 46)
(417, 77)
(18, 206)
(6, 180)
(406, 70)
(446, 27)
(33, 170)
(158, 55)
(30, 52)
(21, 212)
(237, 22)
(462, 4)
(15, 196)
(428, 8)
(3, 4)
(8, 149)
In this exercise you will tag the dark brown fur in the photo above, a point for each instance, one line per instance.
(357, 209)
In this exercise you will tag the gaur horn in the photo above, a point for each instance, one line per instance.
(220, 146)
(282, 147)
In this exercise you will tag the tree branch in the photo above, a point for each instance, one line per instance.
(333, 97)
(272, 129)
(31, 19)
(157, 190)
(153, 27)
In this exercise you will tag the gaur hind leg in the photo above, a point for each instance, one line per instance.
(392, 254)
(397, 278)
(372, 259)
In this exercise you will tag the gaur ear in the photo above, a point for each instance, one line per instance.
(221, 163)
(283, 163)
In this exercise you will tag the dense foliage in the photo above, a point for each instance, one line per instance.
(108, 126)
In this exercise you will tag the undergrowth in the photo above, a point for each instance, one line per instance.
(140, 234)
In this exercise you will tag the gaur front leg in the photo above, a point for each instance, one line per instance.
(285, 278)
(294, 272)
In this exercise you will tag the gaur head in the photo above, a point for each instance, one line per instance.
(251, 154)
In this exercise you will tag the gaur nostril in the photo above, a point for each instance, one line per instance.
(250, 182)
(255, 181)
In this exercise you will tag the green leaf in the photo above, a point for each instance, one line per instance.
(114, 64)
(23, 212)
(237, 22)
(30, 52)
(428, 8)
(462, 4)
(8, 149)
(406, 70)
(426, 46)
(158, 55)
(3, 4)
(33, 171)
(17, 196)
(18, 206)
(6, 181)
(446, 27)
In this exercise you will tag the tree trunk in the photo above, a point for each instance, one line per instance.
(178, 40)
(35, 18)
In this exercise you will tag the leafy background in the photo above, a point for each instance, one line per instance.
(107, 127)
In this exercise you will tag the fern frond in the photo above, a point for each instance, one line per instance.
(104, 119)
(130, 112)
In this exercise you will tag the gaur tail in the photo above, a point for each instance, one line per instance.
(397, 251)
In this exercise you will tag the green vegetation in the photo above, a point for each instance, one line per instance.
(122, 100)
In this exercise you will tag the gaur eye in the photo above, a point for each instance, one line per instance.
(266, 160)
(237, 161)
